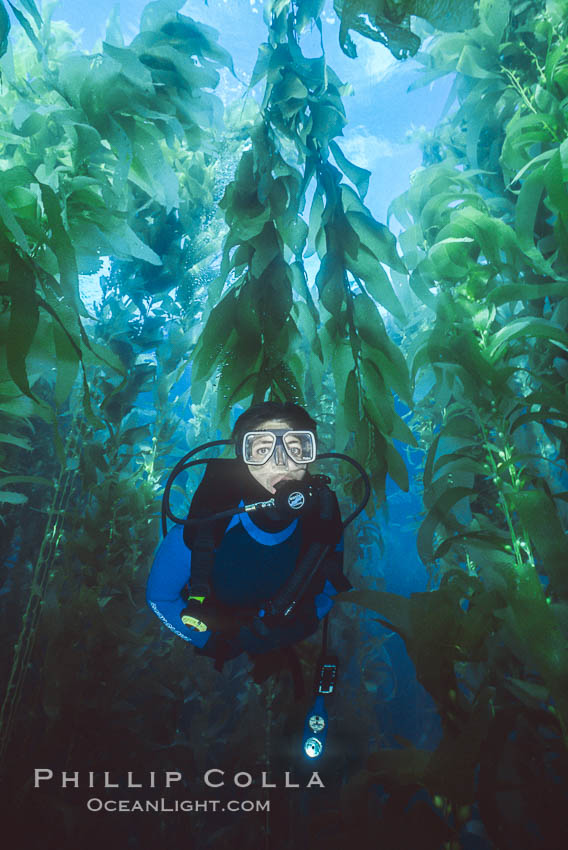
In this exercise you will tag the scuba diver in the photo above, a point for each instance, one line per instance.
(260, 556)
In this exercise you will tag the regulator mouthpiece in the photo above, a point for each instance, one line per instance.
(294, 496)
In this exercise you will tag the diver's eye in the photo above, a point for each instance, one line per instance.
(294, 448)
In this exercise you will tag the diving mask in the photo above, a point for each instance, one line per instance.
(260, 446)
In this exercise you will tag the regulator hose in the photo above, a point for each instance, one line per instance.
(185, 463)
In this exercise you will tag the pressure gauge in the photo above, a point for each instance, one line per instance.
(316, 723)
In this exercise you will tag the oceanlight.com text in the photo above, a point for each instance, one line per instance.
(162, 805)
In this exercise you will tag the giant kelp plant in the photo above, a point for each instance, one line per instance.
(105, 155)
(485, 244)
(111, 155)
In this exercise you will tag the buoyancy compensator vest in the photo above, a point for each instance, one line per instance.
(228, 488)
(225, 486)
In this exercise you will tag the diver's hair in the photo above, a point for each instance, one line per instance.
(298, 418)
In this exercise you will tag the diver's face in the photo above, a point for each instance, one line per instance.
(279, 467)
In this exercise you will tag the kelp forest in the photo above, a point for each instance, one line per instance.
(236, 260)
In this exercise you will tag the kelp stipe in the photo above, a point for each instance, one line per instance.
(63, 494)
(101, 526)
(264, 333)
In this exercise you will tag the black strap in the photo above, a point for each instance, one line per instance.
(202, 561)
(324, 636)
(323, 531)
(318, 558)
(287, 598)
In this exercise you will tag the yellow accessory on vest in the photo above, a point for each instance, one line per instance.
(190, 620)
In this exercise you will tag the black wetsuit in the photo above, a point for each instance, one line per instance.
(252, 558)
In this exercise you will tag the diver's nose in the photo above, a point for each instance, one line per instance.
(280, 456)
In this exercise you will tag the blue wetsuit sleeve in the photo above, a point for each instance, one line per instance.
(170, 572)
